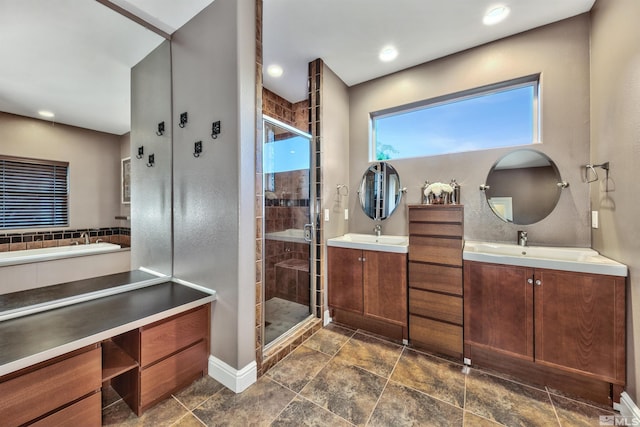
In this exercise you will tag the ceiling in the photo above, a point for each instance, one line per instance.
(73, 57)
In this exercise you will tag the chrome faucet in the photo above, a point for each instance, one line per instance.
(85, 236)
(522, 238)
(378, 230)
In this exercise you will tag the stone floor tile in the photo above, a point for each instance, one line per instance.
(329, 339)
(370, 353)
(508, 402)
(436, 377)
(345, 390)
(404, 406)
(298, 368)
(258, 405)
(302, 412)
(198, 392)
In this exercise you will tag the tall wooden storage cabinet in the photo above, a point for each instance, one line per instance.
(435, 278)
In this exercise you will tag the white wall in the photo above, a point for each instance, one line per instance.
(615, 137)
(94, 164)
(560, 52)
(214, 206)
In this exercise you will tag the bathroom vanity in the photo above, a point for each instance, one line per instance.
(560, 327)
(146, 343)
(367, 283)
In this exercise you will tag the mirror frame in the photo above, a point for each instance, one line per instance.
(374, 186)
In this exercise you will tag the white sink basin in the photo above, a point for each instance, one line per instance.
(388, 243)
(583, 260)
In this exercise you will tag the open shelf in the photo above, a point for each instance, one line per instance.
(115, 361)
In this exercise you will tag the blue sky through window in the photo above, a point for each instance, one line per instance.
(496, 119)
(286, 155)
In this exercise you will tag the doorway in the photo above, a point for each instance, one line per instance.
(288, 231)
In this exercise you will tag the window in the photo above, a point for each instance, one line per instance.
(34, 193)
(500, 115)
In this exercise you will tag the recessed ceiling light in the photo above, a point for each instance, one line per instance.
(388, 53)
(274, 70)
(47, 114)
(495, 15)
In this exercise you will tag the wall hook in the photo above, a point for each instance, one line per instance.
(140, 152)
(484, 187)
(563, 184)
(160, 130)
(197, 149)
(591, 168)
(184, 118)
(215, 129)
(152, 161)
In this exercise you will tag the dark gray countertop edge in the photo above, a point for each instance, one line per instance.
(92, 339)
(37, 308)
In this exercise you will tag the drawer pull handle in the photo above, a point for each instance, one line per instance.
(530, 281)
(538, 282)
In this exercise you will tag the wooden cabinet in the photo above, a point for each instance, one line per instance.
(169, 355)
(66, 387)
(367, 289)
(435, 278)
(547, 325)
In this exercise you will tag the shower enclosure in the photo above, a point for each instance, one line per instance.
(287, 229)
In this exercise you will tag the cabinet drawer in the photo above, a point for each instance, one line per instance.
(437, 306)
(437, 278)
(33, 394)
(162, 339)
(435, 229)
(172, 373)
(436, 336)
(436, 214)
(436, 250)
(86, 413)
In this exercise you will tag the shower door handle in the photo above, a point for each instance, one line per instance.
(308, 233)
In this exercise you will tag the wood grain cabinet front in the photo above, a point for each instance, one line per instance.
(435, 278)
(564, 329)
(368, 290)
(51, 387)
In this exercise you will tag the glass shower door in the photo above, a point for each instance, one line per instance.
(287, 295)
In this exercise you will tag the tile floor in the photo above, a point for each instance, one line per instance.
(342, 377)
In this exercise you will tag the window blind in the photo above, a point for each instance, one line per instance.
(34, 193)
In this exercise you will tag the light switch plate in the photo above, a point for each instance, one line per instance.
(326, 214)
(346, 214)
(594, 219)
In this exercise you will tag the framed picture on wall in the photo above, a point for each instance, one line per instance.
(125, 178)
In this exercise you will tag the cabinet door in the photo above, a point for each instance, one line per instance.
(580, 323)
(385, 286)
(345, 278)
(498, 308)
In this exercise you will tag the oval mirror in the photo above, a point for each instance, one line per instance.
(522, 187)
(380, 191)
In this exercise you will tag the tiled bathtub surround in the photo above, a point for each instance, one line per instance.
(50, 239)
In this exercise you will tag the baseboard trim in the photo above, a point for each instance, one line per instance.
(327, 318)
(627, 407)
(234, 379)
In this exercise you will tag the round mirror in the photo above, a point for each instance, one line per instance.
(522, 187)
(380, 191)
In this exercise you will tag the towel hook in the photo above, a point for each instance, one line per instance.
(604, 166)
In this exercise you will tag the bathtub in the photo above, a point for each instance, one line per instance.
(46, 254)
(34, 268)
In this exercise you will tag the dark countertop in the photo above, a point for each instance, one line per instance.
(48, 294)
(31, 339)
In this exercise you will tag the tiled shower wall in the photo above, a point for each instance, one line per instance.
(294, 114)
(298, 115)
